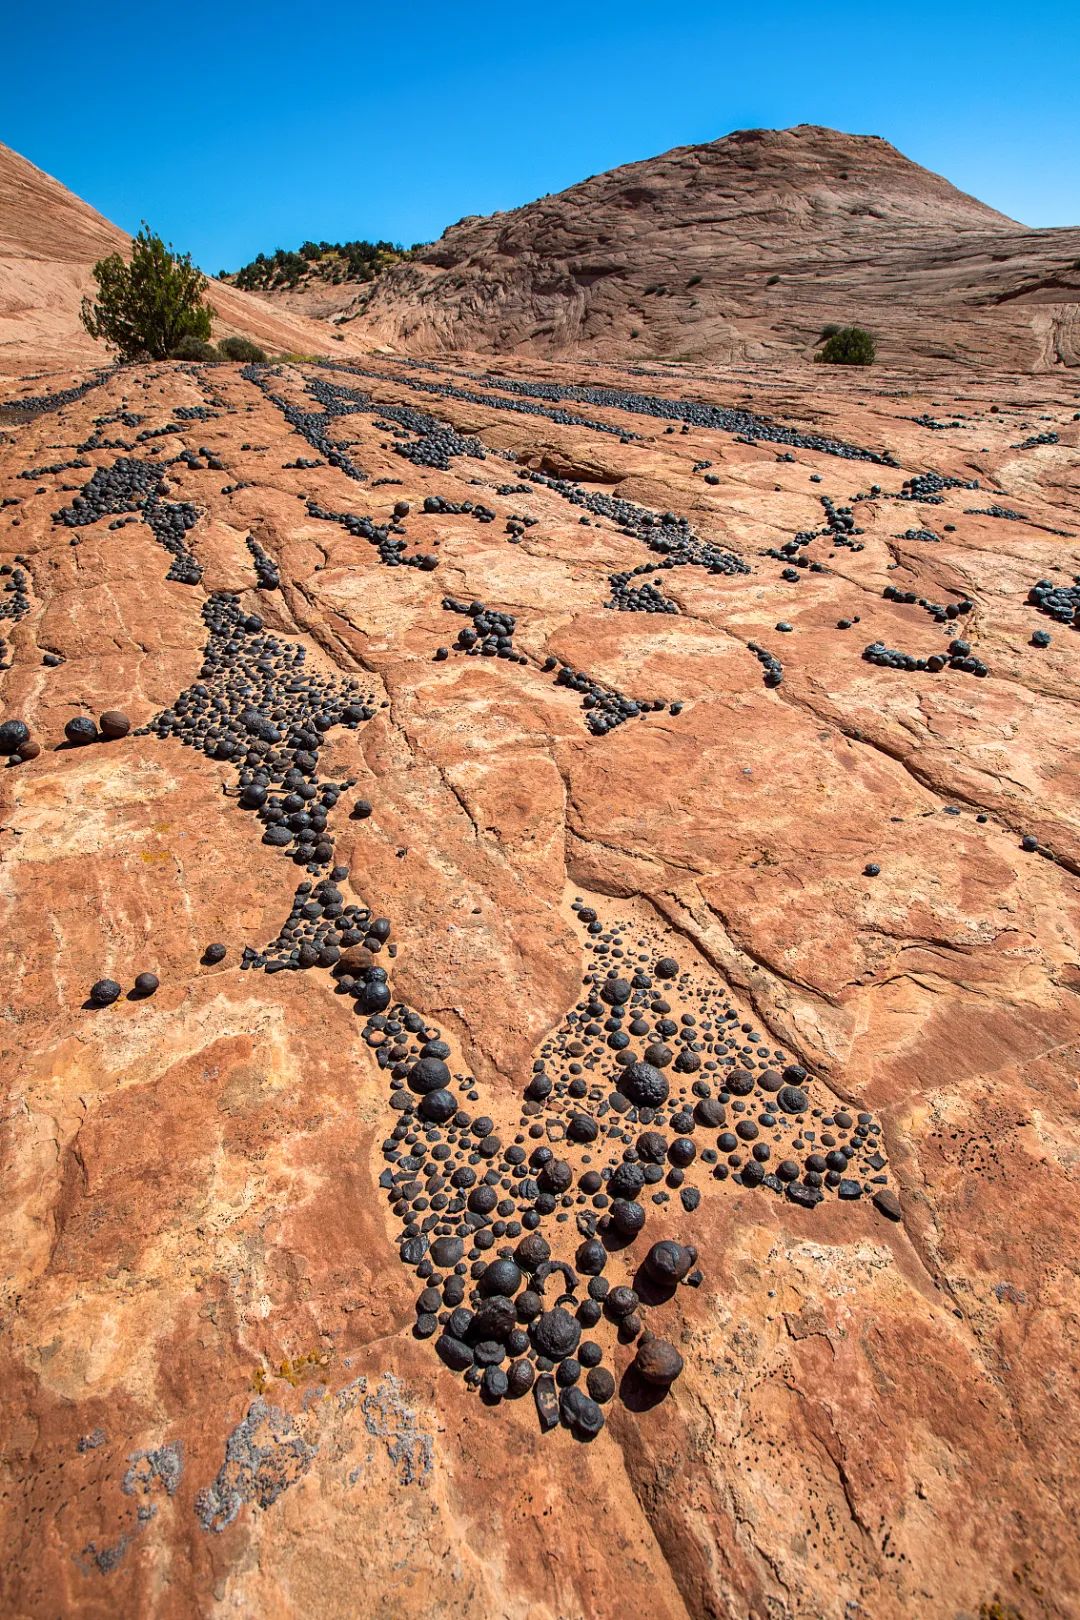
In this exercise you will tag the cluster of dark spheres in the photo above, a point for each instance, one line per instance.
(493, 401)
(387, 538)
(1004, 512)
(259, 709)
(266, 569)
(940, 612)
(631, 1101)
(490, 633)
(605, 708)
(1036, 439)
(190, 413)
(663, 533)
(691, 413)
(53, 467)
(312, 426)
(15, 595)
(839, 529)
(422, 439)
(959, 656)
(322, 930)
(1061, 602)
(928, 487)
(774, 669)
(40, 404)
(438, 504)
(134, 486)
(105, 991)
(644, 598)
(926, 535)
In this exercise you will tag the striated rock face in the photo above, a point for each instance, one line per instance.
(49, 242)
(743, 248)
(676, 774)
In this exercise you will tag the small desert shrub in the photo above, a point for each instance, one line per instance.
(241, 348)
(828, 332)
(193, 348)
(772, 280)
(849, 346)
(694, 281)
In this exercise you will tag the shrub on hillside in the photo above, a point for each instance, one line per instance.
(848, 346)
(146, 307)
(241, 348)
(193, 348)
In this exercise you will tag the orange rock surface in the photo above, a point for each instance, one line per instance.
(213, 1401)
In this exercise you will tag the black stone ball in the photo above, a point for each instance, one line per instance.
(429, 1074)
(13, 734)
(793, 1099)
(214, 954)
(81, 730)
(667, 1263)
(591, 1258)
(555, 1334)
(626, 1181)
(105, 992)
(667, 968)
(627, 1217)
(146, 984)
(644, 1085)
(500, 1277)
(532, 1251)
(437, 1106)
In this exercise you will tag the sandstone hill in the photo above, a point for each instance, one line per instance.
(538, 1055)
(49, 239)
(742, 248)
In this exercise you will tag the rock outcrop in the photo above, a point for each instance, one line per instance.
(613, 797)
(740, 249)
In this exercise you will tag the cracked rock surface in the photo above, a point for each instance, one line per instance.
(221, 1394)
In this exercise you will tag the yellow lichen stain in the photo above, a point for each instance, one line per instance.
(155, 857)
(292, 1370)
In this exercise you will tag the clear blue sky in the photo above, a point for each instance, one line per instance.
(234, 127)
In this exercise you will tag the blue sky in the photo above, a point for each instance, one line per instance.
(235, 127)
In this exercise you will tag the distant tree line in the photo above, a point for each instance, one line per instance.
(335, 262)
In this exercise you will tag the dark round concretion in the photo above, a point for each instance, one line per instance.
(14, 734)
(81, 730)
(667, 1263)
(657, 1361)
(437, 1107)
(500, 1277)
(644, 1085)
(105, 992)
(667, 968)
(429, 1074)
(627, 1217)
(114, 724)
(214, 954)
(146, 984)
(792, 1099)
(555, 1334)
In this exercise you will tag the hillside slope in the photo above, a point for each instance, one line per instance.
(743, 248)
(49, 239)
